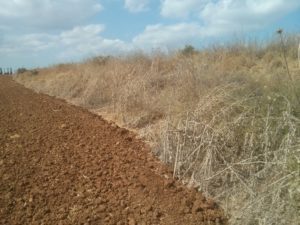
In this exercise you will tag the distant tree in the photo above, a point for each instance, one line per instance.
(188, 50)
(34, 72)
(21, 70)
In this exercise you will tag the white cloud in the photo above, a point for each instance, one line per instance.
(46, 13)
(219, 17)
(78, 43)
(84, 41)
(81, 34)
(180, 8)
(231, 8)
(245, 15)
(26, 43)
(213, 19)
(136, 5)
(158, 36)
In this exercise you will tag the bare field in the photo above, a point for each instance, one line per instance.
(226, 119)
(60, 164)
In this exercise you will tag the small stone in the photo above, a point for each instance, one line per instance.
(15, 136)
(101, 208)
(131, 221)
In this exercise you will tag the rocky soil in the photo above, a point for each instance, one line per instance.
(60, 164)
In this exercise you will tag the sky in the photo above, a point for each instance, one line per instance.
(38, 33)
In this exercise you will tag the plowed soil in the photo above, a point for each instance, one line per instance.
(60, 164)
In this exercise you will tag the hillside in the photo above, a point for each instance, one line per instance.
(226, 119)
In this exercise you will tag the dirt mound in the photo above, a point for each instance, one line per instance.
(60, 164)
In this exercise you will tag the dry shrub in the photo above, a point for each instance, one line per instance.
(225, 118)
(244, 152)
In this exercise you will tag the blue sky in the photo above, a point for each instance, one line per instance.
(35, 33)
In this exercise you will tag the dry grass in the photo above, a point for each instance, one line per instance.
(225, 118)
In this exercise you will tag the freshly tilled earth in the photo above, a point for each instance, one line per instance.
(60, 164)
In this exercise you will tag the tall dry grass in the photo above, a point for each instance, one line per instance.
(226, 118)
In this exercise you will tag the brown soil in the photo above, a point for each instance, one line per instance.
(61, 164)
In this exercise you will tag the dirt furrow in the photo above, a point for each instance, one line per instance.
(60, 164)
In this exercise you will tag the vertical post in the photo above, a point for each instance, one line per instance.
(280, 31)
(299, 54)
(0, 71)
(284, 55)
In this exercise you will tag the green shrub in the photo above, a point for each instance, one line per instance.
(21, 70)
(188, 50)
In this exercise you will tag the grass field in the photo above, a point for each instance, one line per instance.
(226, 119)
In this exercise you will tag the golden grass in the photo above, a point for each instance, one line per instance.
(225, 118)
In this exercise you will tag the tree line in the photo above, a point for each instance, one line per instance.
(6, 71)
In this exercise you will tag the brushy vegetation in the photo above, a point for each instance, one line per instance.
(226, 119)
(21, 70)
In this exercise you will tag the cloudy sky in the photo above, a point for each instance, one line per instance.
(44, 32)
